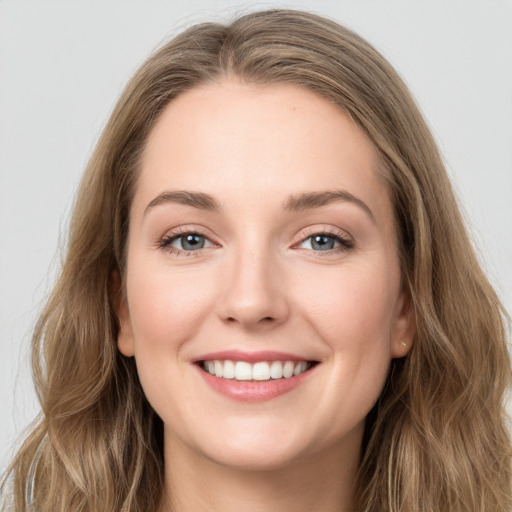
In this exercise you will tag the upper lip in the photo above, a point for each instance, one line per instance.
(250, 357)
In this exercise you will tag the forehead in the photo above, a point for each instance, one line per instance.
(239, 139)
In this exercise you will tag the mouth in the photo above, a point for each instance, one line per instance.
(257, 371)
(254, 376)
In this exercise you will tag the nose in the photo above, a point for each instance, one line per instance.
(254, 292)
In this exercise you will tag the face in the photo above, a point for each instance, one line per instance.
(261, 248)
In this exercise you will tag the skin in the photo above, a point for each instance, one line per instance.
(259, 284)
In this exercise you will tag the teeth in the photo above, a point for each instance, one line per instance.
(218, 368)
(261, 371)
(288, 369)
(228, 372)
(276, 370)
(300, 368)
(241, 370)
(210, 367)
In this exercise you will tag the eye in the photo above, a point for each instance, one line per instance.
(319, 243)
(185, 242)
(326, 242)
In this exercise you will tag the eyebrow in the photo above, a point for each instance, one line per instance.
(295, 203)
(195, 199)
(311, 200)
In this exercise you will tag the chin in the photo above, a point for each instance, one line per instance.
(253, 458)
(256, 447)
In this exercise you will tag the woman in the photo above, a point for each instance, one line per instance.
(269, 300)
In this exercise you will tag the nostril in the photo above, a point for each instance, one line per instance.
(265, 319)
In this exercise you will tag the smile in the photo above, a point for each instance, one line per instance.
(258, 371)
(254, 376)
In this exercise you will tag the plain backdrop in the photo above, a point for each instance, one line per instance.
(64, 63)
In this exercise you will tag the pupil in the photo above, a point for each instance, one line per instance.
(322, 243)
(192, 242)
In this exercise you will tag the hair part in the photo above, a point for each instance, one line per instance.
(437, 438)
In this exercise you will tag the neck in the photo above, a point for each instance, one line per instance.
(323, 481)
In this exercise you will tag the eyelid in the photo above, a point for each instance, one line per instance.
(346, 240)
(170, 241)
(323, 229)
(164, 242)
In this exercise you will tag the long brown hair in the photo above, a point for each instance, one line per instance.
(436, 439)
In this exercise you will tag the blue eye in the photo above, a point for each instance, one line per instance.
(188, 242)
(191, 242)
(325, 242)
(322, 243)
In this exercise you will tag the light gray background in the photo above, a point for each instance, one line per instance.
(63, 64)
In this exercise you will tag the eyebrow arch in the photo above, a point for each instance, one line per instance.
(294, 203)
(309, 200)
(198, 200)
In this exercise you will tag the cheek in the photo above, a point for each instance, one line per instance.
(353, 312)
(166, 307)
(352, 307)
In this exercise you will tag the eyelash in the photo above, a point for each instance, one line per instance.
(167, 240)
(345, 244)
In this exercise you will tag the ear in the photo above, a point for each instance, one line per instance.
(405, 325)
(124, 328)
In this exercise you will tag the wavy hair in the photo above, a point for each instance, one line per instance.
(436, 440)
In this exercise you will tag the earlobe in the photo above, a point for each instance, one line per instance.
(124, 329)
(405, 327)
(400, 348)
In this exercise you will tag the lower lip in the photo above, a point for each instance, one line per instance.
(253, 390)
